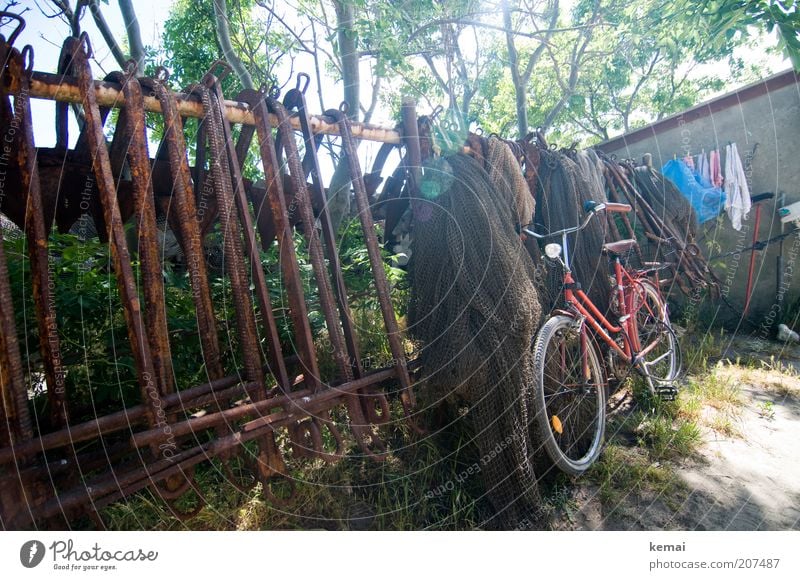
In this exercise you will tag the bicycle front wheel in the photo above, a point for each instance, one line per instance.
(569, 395)
(660, 361)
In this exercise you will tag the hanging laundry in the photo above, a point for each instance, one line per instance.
(689, 161)
(736, 189)
(706, 201)
(715, 168)
(703, 170)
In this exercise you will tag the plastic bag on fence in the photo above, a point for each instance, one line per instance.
(707, 202)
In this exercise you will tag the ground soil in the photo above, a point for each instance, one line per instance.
(748, 480)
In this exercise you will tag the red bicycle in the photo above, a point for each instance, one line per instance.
(570, 381)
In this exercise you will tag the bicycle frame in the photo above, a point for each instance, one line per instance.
(579, 303)
(577, 299)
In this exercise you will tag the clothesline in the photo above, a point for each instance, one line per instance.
(711, 185)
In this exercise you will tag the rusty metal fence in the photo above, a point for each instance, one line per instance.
(50, 474)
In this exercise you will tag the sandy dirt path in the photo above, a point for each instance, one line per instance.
(748, 480)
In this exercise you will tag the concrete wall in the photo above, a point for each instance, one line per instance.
(767, 114)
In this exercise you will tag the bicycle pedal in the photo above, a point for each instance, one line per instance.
(667, 393)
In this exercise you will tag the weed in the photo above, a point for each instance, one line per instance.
(766, 410)
(627, 470)
(722, 424)
(666, 437)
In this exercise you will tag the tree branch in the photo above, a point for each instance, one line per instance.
(105, 32)
(133, 32)
(222, 26)
(577, 54)
(479, 24)
(644, 77)
(348, 52)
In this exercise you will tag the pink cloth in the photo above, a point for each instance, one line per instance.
(715, 168)
(689, 161)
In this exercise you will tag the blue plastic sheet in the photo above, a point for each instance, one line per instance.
(708, 202)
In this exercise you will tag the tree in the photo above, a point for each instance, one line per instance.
(222, 27)
(587, 72)
(723, 20)
(521, 77)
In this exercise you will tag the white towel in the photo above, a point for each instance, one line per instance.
(703, 169)
(737, 203)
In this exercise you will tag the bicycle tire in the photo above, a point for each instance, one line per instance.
(570, 415)
(662, 365)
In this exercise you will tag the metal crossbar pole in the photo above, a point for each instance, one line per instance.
(56, 87)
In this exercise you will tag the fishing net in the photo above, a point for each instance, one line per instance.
(475, 310)
(562, 190)
(667, 201)
(506, 177)
(591, 168)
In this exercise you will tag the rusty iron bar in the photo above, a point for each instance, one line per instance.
(134, 127)
(185, 218)
(13, 391)
(358, 422)
(14, 395)
(292, 404)
(278, 367)
(376, 261)
(192, 398)
(138, 479)
(296, 99)
(80, 50)
(36, 231)
(290, 268)
(315, 250)
(230, 198)
(232, 241)
(65, 89)
(287, 254)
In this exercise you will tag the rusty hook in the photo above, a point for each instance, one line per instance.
(174, 487)
(338, 440)
(131, 67)
(27, 59)
(161, 74)
(273, 92)
(20, 26)
(375, 402)
(300, 78)
(305, 438)
(226, 70)
(86, 44)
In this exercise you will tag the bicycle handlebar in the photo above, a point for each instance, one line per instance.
(591, 208)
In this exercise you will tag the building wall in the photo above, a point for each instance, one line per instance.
(766, 114)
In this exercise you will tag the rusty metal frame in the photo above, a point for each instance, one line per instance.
(157, 439)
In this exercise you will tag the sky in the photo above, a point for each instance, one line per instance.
(47, 34)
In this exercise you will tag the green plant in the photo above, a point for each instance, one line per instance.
(766, 410)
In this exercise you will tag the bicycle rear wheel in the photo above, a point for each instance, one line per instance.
(661, 363)
(570, 404)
